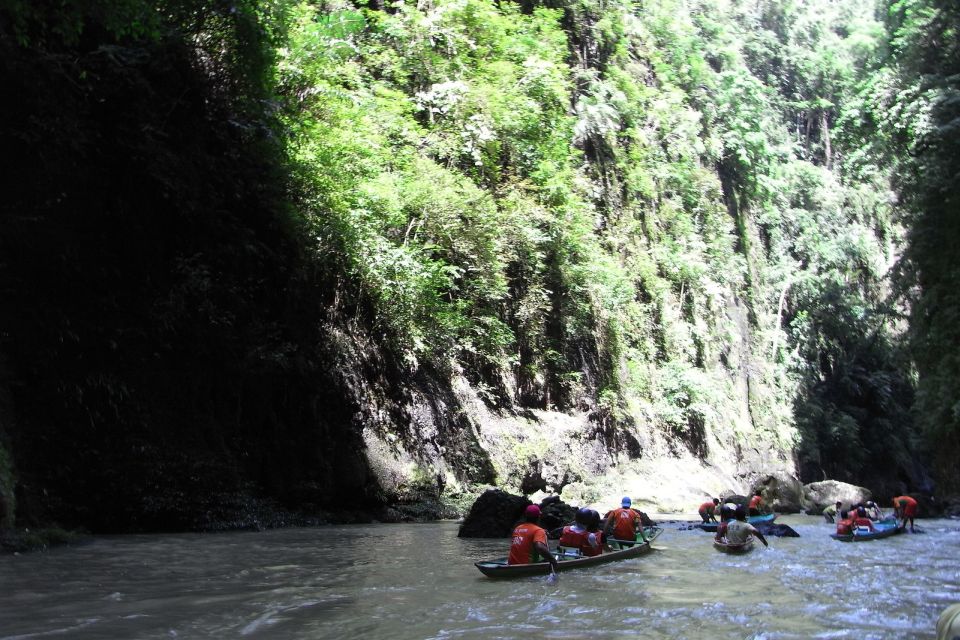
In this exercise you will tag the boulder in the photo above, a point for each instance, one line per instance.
(494, 515)
(781, 492)
(951, 507)
(820, 494)
(555, 513)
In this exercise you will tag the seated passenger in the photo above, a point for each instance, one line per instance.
(593, 526)
(623, 523)
(738, 530)
(874, 512)
(860, 519)
(529, 541)
(845, 523)
(577, 536)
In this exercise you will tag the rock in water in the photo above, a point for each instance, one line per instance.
(820, 494)
(493, 515)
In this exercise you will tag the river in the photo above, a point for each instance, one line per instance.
(417, 581)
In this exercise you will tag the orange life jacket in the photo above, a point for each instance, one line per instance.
(626, 521)
(522, 550)
(580, 540)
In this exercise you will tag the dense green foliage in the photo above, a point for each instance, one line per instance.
(680, 217)
(918, 112)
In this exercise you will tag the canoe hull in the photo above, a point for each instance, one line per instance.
(880, 533)
(726, 547)
(765, 518)
(500, 569)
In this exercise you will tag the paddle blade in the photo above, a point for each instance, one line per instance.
(553, 578)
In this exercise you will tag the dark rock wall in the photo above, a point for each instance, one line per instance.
(169, 359)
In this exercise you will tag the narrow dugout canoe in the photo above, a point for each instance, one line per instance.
(500, 568)
(767, 517)
(727, 547)
(881, 530)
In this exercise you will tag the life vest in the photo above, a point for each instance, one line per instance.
(863, 522)
(624, 523)
(755, 502)
(522, 550)
(580, 540)
(707, 508)
(845, 526)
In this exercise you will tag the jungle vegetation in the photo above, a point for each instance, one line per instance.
(643, 210)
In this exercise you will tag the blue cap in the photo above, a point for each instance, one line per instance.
(626, 502)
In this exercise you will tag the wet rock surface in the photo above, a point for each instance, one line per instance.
(820, 494)
(781, 492)
(493, 515)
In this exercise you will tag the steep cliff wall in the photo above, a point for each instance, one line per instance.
(268, 268)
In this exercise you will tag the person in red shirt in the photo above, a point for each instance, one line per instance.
(905, 508)
(845, 522)
(755, 503)
(578, 535)
(529, 541)
(708, 510)
(624, 523)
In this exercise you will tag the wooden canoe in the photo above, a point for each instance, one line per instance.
(500, 568)
(881, 530)
(767, 517)
(726, 547)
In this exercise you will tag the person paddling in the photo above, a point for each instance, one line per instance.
(756, 503)
(529, 541)
(624, 523)
(737, 531)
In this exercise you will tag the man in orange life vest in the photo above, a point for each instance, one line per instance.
(578, 536)
(529, 541)
(905, 508)
(755, 503)
(624, 522)
(845, 522)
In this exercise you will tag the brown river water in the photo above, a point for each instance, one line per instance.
(418, 581)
